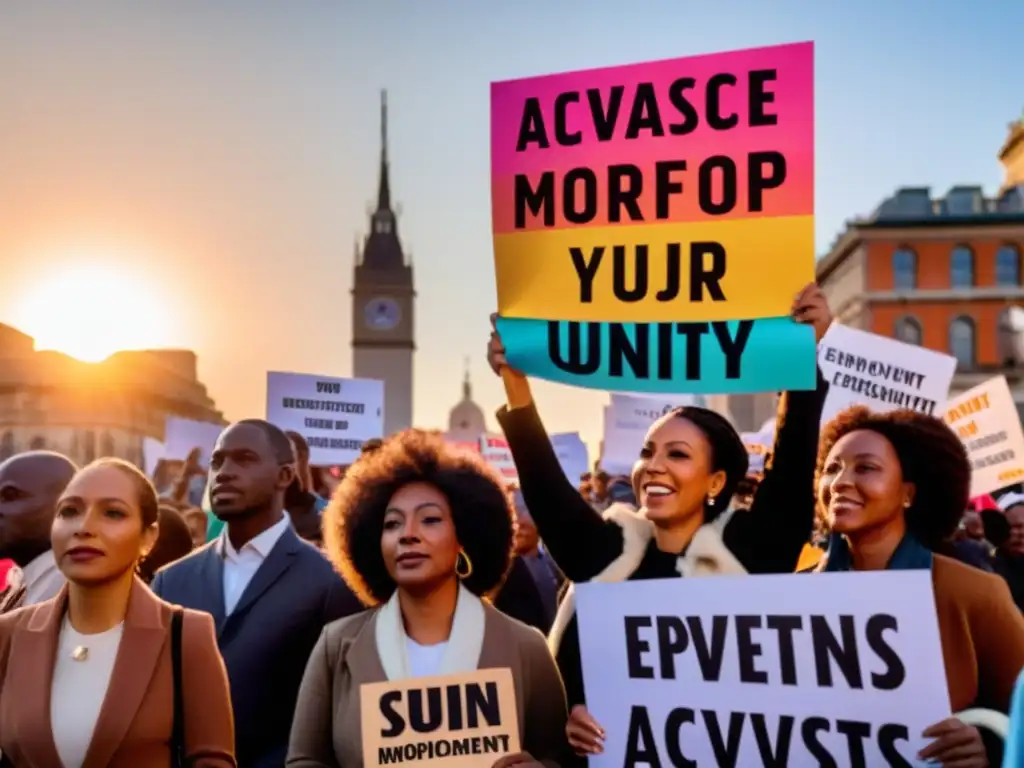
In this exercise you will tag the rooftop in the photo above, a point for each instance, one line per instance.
(962, 204)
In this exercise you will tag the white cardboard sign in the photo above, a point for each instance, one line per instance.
(336, 416)
(793, 670)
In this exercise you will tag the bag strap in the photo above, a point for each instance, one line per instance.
(178, 727)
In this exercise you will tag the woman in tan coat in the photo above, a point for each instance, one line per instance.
(423, 534)
(87, 679)
(892, 488)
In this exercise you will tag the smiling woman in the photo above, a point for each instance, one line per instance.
(92, 311)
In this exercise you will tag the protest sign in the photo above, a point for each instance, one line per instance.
(468, 720)
(792, 670)
(569, 448)
(459, 443)
(152, 452)
(881, 373)
(495, 451)
(987, 422)
(653, 222)
(182, 435)
(572, 454)
(627, 420)
(335, 416)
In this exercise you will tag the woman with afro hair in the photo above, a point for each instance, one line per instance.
(684, 479)
(892, 488)
(423, 534)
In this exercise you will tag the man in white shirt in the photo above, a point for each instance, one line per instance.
(30, 484)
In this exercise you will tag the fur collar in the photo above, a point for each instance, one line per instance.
(464, 643)
(707, 555)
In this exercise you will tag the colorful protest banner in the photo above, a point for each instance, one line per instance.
(468, 720)
(707, 358)
(656, 203)
(836, 669)
(335, 416)
(987, 422)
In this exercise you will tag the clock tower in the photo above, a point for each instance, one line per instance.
(383, 302)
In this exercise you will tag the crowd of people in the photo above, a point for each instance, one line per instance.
(137, 631)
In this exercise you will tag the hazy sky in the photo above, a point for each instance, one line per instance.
(222, 155)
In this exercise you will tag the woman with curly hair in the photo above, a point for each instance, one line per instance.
(684, 480)
(423, 535)
(892, 488)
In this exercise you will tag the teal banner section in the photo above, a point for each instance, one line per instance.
(731, 357)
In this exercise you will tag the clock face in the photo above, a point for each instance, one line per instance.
(382, 314)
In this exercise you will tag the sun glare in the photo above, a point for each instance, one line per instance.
(90, 312)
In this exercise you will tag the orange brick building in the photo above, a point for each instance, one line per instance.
(945, 273)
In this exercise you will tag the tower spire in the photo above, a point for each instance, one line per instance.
(384, 191)
(467, 388)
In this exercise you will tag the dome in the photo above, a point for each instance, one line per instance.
(467, 417)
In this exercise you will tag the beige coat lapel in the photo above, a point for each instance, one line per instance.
(26, 704)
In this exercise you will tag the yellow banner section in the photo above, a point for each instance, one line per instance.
(739, 269)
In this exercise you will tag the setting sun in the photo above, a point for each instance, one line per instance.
(92, 311)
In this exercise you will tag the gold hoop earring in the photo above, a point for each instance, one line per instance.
(462, 559)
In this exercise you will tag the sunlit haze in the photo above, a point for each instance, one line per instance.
(90, 310)
(194, 174)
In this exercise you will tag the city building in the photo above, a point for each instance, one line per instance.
(383, 302)
(942, 272)
(49, 400)
(466, 421)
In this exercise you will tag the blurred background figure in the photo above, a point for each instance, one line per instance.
(1009, 559)
(620, 491)
(190, 484)
(303, 505)
(174, 540)
(584, 486)
(599, 491)
(530, 550)
(745, 490)
(197, 521)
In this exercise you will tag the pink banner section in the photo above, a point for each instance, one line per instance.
(716, 103)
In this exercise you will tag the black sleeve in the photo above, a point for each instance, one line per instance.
(579, 540)
(769, 536)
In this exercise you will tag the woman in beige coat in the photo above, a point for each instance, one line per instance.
(423, 534)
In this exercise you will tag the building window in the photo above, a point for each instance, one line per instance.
(961, 341)
(961, 267)
(908, 330)
(904, 269)
(38, 443)
(1008, 266)
(6, 445)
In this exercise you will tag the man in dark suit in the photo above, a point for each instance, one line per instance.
(269, 592)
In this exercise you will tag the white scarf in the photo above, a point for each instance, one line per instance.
(464, 643)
